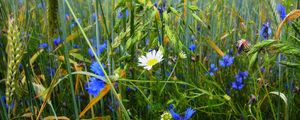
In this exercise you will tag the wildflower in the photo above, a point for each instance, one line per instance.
(51, 71)
(226, 61)
(182, 55)
(3, 100)
(99, 50)
(281, 11)
(20, 67)
(266, 30)
(102, 47)
(75, 23)
(242, 45)
(68, 17)
(241, 76)
(166, 116)
(129, 89)
(94, 16)
(237, 85)
(188, 114)
(95, 85)
(57, 41)
(252, 99)
(162, 6)
(151, 59)
(43, 45)
(76, 46)
(95, 67)
(262, 69)
(120, 14)
(192, 47)
(212, 69)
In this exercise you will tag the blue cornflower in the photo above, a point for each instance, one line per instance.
(192, 47)
(68, 17)
(162, 7)
(102, 47)
(120, 14)
(56, 41)
(20, 67)
(76, 46)
(129, 89)
(188, 114)
(262, 69)
(51, 71)
(99, 51)
(75, 23)
(94, 86)
(213, 68)
(43, 45)
(241, 76)
(3, 100)
(226, 61)
(237, 85)
(95, 67)
(266, 30)
(94, 16)
(281, 11)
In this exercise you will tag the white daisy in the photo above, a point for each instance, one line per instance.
(151, 58)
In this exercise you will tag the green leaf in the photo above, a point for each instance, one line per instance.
(290, 64)
(193, 8)
(198, 19)
(253, 60)
(80, 57)
(174, 11)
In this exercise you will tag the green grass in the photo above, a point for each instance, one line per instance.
(214, 26)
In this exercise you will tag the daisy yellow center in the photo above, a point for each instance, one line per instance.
(152, 62)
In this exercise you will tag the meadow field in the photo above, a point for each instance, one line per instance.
(149, 59)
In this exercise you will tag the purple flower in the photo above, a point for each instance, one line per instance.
(162, 6)
(76, 46)
(3, 100)
(213, 68)
(43, 45)
(94, 86)
(56, 41)
(226, 61)
(188, 114)
(129, 89)
(281, 11)
(68, 17)
(241, 76)
(20, 67)
(95, 67)
(192, 47)
(120, 14)
(262, 69)
(237, 85)
(99, 50)
(266, 30)
(94, 16)
(75, 23)
(51, 71)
